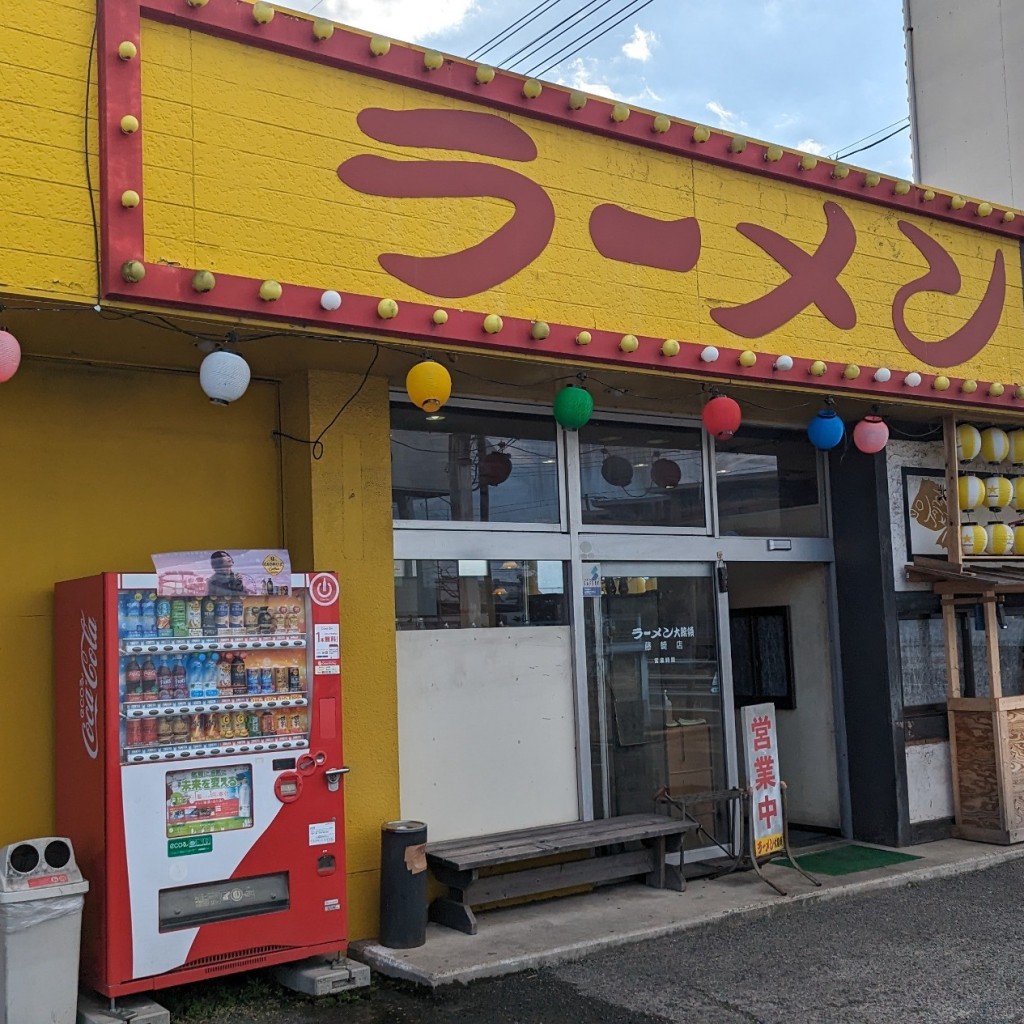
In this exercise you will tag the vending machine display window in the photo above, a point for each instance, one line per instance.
(205, 800)
(208, 676)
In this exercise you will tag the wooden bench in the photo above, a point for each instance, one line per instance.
(457, 863)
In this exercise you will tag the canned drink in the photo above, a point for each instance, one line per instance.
(267, 723)
(252, 680)
(179, 617)
(294, 678)
(252, 723)
(281, 722)
(250, 617)
(302, 714)
(164, 733)
(197, 729)
(295, 723)
(266, 679)
(212, 727)
(227, 725)
(221, 615)
(240, 724)
(179, 729)
(133, 732)
(236, 616)
(280, 679)
(194, 612)
(150, 731)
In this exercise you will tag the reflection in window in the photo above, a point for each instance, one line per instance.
(476, 593)
(641, 475)
(767, 485)
(474, 467)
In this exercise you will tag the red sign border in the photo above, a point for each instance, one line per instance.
(123, 229)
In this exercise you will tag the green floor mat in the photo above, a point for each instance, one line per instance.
(847, 860)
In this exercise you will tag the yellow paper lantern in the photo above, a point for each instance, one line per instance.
(1018, 495)
(968, 442)
(429, 385)
(970, 493)
(1000, 538)
(995, 444)
(973, 539)
(1018, 542)
(998, 493)
(1017, 447)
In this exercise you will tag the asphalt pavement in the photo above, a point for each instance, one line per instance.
(942, 951)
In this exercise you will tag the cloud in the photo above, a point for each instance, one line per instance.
(810, 146)
(726, 118)
(639, 47)
(410, 20)
(582, 76)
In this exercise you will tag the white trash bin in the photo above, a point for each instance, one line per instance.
(41, 897)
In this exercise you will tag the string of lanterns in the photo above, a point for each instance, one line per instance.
(994, 493)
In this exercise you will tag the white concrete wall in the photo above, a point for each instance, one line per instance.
(929, 781)
(807, 742)
(486, 729)
(967, 95)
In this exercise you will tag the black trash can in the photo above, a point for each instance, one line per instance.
(403, 884)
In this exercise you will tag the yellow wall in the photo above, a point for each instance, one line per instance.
(346, 496)
(99, 469)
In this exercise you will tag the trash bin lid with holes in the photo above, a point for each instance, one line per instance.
(39, 869)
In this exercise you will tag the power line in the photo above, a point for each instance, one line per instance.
(547, 32)
(870, 135)
(510, 30)
(559, 55)
(877, 142)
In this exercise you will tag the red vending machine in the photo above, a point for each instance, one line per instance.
(199, 776)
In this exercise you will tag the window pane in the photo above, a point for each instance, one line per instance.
(767, 485)
(923, 657)
(641, 475)
(472, 594)
(475, 467)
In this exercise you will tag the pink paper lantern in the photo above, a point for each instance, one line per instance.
(870, 435)
(10, 356)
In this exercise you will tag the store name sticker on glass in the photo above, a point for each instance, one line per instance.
(327, 639)
(591, 579)
(322, 832)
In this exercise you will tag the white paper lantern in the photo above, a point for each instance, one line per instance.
(224, 377)
(330, 300)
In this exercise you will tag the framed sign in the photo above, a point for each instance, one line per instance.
(763, 778)
(925, 521)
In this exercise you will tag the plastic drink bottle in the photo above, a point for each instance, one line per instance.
(149, 614)
(133, 679)
(224, 675)
(208, 618)
(210, 676)
(163, 617)
(164, 681)
(193, 674)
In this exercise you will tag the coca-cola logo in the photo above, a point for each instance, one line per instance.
(88, 685)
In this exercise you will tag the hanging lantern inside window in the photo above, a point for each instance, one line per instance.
(871, 435)
(970, 493)
(826, 429)
(617, 471)
(573, 407)
(429, 385)
(998, 493)
(968, 442)
(995, 445)
(973, 539)
(10, 356)
(495, 468)
(666, 473)
(999, 539)
(721, 417)
(224, 377)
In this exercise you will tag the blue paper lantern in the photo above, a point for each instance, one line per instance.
(825, 430)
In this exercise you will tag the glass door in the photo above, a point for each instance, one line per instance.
(655, 693)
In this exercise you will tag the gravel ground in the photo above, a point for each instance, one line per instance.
(940, 952)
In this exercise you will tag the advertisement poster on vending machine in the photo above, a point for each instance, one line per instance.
(222, 573)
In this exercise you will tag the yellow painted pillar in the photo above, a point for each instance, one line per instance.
(338, 517)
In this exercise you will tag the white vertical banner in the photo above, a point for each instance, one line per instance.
(763, 777)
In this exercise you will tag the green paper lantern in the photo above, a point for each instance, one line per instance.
(573, 407)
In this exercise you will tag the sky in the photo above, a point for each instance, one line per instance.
(822, 77)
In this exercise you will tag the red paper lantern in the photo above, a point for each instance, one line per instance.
(870, 435)
(666, 473)
(721, 417)
(495, 468)
(10, 356)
